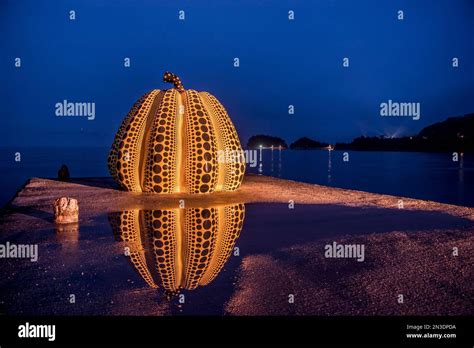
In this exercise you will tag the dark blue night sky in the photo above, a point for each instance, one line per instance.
(282, 62)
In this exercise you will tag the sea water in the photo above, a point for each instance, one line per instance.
(430, 176)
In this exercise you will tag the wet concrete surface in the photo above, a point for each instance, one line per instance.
(82, 269)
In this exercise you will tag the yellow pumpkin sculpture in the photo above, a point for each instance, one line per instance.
(179, 248)
(177, 140)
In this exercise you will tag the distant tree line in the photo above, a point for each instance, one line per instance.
(453, 134)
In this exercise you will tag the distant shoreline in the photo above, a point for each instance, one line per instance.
(455, 134)
(362, 150)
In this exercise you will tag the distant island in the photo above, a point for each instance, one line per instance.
(306, 143)
(453, 134)
(261, 140)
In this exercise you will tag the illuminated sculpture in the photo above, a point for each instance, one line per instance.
(179, 248)
(177, 140)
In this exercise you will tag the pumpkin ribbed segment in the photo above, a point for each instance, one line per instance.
(174, 141)
(161, 151)
(232, 171)
(201, 168)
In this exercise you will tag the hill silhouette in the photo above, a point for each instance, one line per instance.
(306, 143)
(452, 134)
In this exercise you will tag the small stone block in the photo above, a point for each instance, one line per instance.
(66, 210)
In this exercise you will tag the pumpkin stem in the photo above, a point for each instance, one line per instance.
(175, 80)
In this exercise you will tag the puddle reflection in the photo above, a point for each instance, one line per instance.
(179, 248)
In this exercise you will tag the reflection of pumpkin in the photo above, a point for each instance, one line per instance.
(175, 140)
(179, 248)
